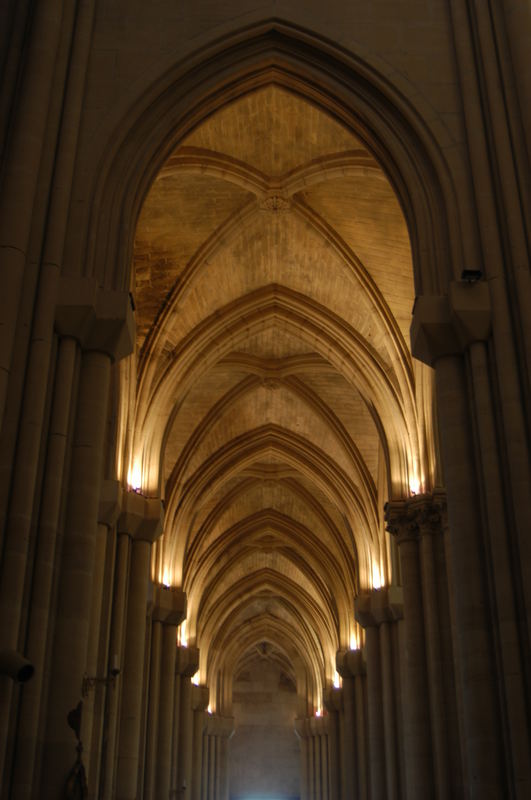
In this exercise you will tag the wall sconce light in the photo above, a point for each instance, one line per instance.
(91, 681)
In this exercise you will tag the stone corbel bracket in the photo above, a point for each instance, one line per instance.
(200, 697)
(141, 517)
(169, 605)
(381, 605)
(187, 661)
(100, 320)
(350, 663)
(447, 325)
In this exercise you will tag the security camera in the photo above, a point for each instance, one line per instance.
(15, 666)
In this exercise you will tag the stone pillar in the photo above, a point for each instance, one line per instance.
(376, 612)
(442, 329)
(401, 523)
(349, 739)
(116, 647)
(218, 731)
(323, 742)
(186, 665)
(99, 660)
(315, 739)
(332, 702)
(351, 667)
(302, 734)
(145, 520)
(430, 526)
(71, 634)
(200, 695)
(170, 608)
(40, 620)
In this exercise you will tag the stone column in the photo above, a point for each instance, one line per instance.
(170, 608)
(351, 667)
(186, 665)
(323, 742)
(200, 695)
(376, 612)
(116, 647)
(218, 730)
(99, 660)
(146, 525)
(71, 634)
(332, 702)
(32, 702)
(400, 518)
(302, 734)
(430, 526)
(349, 739)
(315, 738)
(443, 328)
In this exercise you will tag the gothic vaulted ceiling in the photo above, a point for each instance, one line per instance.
(277, 406)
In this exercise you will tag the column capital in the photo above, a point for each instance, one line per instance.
(141, 517)
(99, 319)
(416, 516)
(169, 605)
(200, 697)
(110, 502)
(187, 661)
(350, 663)
(380, 605)
(446, 325)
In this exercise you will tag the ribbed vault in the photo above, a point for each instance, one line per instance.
(273, 400)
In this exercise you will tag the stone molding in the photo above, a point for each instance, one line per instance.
(100, 320)
(379, 606)
(445, 325)
(141, 517)
(169, 605)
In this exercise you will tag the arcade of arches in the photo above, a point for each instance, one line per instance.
(265, 466)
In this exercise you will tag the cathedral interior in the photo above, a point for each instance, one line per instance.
(265, 400)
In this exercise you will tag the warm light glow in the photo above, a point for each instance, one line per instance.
(134, 476)
(166, 578)
(376, 577)
(182, 636)
(414, 485)
(319, 712)
(209, 709)
(195, 678)
(354, 640)
(337, 679)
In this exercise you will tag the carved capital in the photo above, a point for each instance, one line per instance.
(400, 522)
